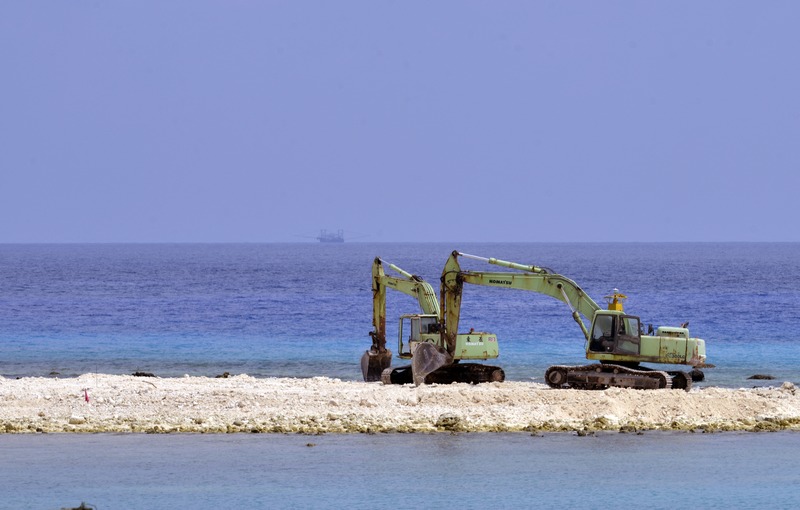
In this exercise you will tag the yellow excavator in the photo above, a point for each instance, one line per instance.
(614, 338)
(423, 338)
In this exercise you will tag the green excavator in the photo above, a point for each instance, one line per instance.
(423, 338)
(614, 338)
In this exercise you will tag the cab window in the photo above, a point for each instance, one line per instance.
(603, 326)
(414, 336)
(628, 335)
(603, 334)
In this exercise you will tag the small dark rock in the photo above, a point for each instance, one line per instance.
(143, 374)
(449, 422)
(763, 377)
(224, 375)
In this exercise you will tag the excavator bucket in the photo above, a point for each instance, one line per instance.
(374, 362)
(426, 359)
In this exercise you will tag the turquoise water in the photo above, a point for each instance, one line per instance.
(654, 470)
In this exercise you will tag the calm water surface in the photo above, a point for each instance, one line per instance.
(659, 470)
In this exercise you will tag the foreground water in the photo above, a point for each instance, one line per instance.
(654, 470)
(302, 310)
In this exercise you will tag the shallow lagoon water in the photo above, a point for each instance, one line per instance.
(655, 469)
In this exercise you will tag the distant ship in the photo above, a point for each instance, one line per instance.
(329, 237)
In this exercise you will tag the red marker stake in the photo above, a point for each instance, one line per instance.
(86, 394)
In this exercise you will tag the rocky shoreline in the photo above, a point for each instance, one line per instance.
(242, 404)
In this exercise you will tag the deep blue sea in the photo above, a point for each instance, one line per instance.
(304, 310)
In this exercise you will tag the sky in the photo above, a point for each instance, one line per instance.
(266, 121)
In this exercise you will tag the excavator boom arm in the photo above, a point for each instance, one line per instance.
(409, 284)
(421, 290)
(553, 285)
(533, 279)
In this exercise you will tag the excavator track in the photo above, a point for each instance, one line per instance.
(682, 380)
(599, 376)
(472, 373)
(398, 375)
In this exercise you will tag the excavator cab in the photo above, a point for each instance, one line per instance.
(615, 333)
(415, 329)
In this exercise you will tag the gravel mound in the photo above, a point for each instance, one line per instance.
(322, 405)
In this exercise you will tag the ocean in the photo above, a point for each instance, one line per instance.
(304, 310)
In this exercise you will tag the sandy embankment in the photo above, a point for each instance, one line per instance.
(323, 405)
